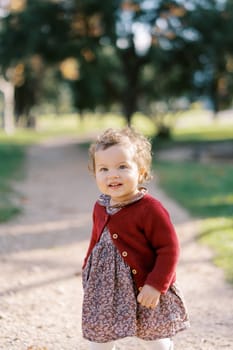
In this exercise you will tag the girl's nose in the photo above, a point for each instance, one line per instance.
(113, 174)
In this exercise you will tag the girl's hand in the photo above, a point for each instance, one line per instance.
(148, 296)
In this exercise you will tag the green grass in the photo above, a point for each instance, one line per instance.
(11, 168)
(218, 234)
(66, 125)
(206, 190)
(213, 132)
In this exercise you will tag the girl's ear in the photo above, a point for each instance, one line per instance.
(142, 172)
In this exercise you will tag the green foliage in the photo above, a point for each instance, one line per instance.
(39, 28)
(101, 39)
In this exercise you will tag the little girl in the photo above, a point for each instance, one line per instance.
(129, 270)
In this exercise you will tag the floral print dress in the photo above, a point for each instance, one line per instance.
(110, 308)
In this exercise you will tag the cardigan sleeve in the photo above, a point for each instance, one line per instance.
(161, 234)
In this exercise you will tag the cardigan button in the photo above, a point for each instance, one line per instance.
(124, 253)
(134, 272)
(115, 236)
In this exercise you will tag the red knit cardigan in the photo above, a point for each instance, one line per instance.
(145, 237)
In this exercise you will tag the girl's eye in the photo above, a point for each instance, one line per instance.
(123, 166)
(103, 169)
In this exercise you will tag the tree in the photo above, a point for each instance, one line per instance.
(24, 52)
(214, 76)
(189, 51)
(65, 35)
(133, 52)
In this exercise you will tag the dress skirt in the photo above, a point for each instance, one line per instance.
(110, 307)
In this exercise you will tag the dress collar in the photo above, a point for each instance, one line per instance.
(104, 200)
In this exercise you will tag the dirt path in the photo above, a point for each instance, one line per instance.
(42, 250)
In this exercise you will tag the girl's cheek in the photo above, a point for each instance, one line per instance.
(99, 177)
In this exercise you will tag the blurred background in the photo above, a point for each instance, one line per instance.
(74, 67)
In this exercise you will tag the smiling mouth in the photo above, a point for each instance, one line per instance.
(117, 185)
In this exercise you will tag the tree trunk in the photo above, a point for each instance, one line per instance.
(129, 102)
(132, 65)
(214, 95)
(8, 114)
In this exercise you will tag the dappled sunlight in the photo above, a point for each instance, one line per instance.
(44, 235)
(35, 253)
(47, 226)
(36, 284)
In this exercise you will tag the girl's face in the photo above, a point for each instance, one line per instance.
(117, 173)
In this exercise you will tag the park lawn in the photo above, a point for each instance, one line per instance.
(206, 190)
(212, 132)
(11, 169)
(218, 234)
(12, 149)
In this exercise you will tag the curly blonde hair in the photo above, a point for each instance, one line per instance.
(126, 136)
